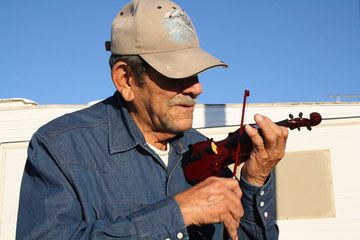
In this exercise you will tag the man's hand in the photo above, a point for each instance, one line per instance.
(211, 201)
(266, 152)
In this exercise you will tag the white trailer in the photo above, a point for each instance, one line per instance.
(317, 190)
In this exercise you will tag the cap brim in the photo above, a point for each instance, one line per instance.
(182, 63)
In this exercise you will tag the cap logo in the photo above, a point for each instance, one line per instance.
(179, 26)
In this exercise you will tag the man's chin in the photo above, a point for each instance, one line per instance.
(178, 127)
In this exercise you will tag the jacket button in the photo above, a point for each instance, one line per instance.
(180, 235)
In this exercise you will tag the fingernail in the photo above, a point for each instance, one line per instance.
(259, 117)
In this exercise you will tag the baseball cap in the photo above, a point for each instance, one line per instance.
(161, 33)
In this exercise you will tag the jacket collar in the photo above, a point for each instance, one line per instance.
(124, 134)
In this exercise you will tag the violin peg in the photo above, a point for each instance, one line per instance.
(291, 116)
(308, 127)
(300, 115)
(298, 127)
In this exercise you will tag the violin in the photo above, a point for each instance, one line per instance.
(209, 158)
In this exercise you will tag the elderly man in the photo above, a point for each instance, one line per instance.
(113, 170)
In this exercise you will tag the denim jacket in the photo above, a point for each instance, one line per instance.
(91, 175)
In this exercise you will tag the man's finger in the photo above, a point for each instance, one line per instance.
(256, 139)
(283, 139)
(231, 184)
(270, 130)
(231, 226)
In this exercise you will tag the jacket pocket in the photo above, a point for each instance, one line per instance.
(112, 211)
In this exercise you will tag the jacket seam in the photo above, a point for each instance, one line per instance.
(62, 170)
(52, 136)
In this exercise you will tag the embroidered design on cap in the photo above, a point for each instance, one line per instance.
(179, 26)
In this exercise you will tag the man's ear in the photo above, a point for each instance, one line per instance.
(123, 80)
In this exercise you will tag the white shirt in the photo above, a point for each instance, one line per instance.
(164, 155)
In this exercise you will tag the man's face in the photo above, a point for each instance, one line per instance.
(166, 105)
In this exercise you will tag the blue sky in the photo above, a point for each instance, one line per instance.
(52, 52)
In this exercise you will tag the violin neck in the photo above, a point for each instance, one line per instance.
(284, 123)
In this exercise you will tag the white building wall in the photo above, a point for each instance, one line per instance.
(341, 137)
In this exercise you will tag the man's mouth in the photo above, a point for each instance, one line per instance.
(185, 105)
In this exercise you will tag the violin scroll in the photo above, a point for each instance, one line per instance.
(315, 119)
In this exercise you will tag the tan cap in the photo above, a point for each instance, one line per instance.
(163, 35)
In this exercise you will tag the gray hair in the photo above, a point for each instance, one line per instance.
(136, 64)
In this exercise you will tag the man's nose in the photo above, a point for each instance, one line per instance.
(192, 86)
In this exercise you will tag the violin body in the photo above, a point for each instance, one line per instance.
(209, 158)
